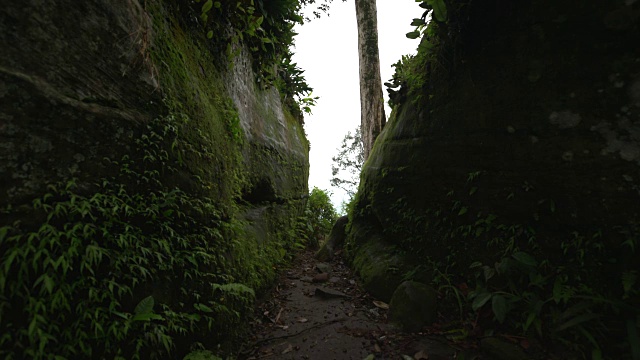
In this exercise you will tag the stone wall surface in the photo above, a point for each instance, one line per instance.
(105, 95)
(529, 120)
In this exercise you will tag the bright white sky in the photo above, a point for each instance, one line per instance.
(327, 49)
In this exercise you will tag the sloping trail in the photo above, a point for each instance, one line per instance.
(319, 311)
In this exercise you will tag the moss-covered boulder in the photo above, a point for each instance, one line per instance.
(413, 306)
(335, 240)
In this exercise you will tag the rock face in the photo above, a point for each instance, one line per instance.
(523, 134)
(335, 240)
(177, 161)
(413, 306)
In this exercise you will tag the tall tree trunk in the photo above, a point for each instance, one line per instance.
(372, 117)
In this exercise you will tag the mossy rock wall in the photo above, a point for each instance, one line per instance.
(189, 177)
(523, 136)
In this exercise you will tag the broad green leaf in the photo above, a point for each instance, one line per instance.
(145, 306)
(629, 279)
(210, 34)
(488, 272)
(557, 290)
(9, 260)
(532, 316)
(207, 6)
(596, 354)
(525, 258)
(463, 211)
(147, 317)
(499, 306)
(122, 315)
(3, 233)
(634, 339)
(439, 9)
(417, 22)
(578, 320)
(480, 300)
(203, 308)
(413, 34)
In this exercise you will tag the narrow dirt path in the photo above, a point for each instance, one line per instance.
(318, 311)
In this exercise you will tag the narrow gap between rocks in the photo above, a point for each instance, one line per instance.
(318, 310)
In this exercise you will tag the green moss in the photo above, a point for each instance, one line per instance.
(156, 251)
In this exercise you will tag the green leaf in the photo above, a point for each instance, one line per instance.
(488, 272)
(634, 339)
(532, 316)
(463, 211)
(629, 279)
(207, 6)
(577, 320)
(413, 34)
(473, 190)
(480, 300)
(217, 4)
(122, 315)
(524, 258)
(9, 261)
(203, 308)
(210, 34)
(3, 233)
(499, 307)
(145, 306)
(558, 290)
(417, 22)
(439, 9)
(147, 317)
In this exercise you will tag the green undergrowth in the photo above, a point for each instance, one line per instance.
(126, 267)
(576, 291)
(151, 257)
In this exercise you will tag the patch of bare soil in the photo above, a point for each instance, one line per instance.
(319, 311)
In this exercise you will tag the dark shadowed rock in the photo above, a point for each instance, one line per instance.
(335, 241)
(499, 349)
(323, 268)
(413, 306)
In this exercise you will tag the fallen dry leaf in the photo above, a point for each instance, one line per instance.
(381, 305)
(376, 348)
(288, 349)
(421, 355)
(302, 320)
